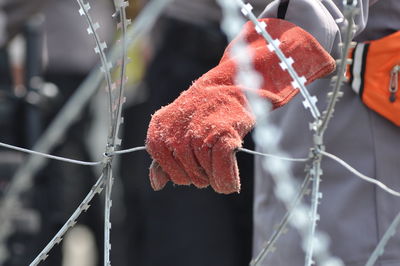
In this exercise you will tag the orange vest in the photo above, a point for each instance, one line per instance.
(374, 75)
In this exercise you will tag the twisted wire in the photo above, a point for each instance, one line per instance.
(49, 156)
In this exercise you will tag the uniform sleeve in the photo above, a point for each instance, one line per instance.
(319, 18)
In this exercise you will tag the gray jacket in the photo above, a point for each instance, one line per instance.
(204, 11)
(354, 213)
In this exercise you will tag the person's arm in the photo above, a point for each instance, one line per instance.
(319, 18)
(193, 140)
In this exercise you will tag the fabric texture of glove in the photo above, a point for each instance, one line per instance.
(193, 140)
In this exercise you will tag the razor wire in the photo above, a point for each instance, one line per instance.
(106, 67)
(99, 49)
(248, 77)
(22, 180)
(84, 206)
(298, 82)
(285, 188)
(319, 127)
(269, 245)
(378, 251)
(350, 11)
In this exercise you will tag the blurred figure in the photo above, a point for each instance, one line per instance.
(67, 59)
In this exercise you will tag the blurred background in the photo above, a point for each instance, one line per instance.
(45, 55)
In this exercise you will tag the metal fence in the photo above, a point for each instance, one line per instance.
(299, 215)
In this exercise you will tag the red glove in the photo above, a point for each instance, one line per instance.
(193, 140)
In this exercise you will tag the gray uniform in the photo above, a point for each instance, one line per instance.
(354, 213)
(204, 11)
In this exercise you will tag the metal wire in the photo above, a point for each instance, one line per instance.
(249, 78)
(143, 23)
(360, 175)
(350, 12)
(120, 7)
(378, 251)
(107, 214)
(269, 245)
(84, 206)
(58, 158)
(286, 62)
(274, 156)
(23, 177)
(141, 148)
(99, 49)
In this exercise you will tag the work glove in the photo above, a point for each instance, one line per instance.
(193, 140)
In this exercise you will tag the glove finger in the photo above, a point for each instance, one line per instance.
(158, 178)
(185, 155)
(165, 159)
(225, 172)
(202, 153)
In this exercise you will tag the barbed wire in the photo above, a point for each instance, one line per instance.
(349, 12)
(84, 206)
(269, 245)
(143, 148)
(378, 251)
(249, 78)
(298, 82)
(22, 179)
(320, 125)
(99, 49)
(285, 186)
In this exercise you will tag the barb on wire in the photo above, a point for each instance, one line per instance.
(117, 99)
(274, 156)
(360, 175)
(285, 188)
(315, 172)
(49, 156)
(120, 10)
(350, 11)
(286, 62)
(269, 245)
(114, 110)
(22, 180)
(107, 214)
(84, 206)
(320, 125)
(99, 49)
(378, 251)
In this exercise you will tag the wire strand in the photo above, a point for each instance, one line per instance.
(58, 158)
(360, 175)
(274, 156)
(140, 148)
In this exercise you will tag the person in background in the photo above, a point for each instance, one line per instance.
(193, 140)
(64, 55)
